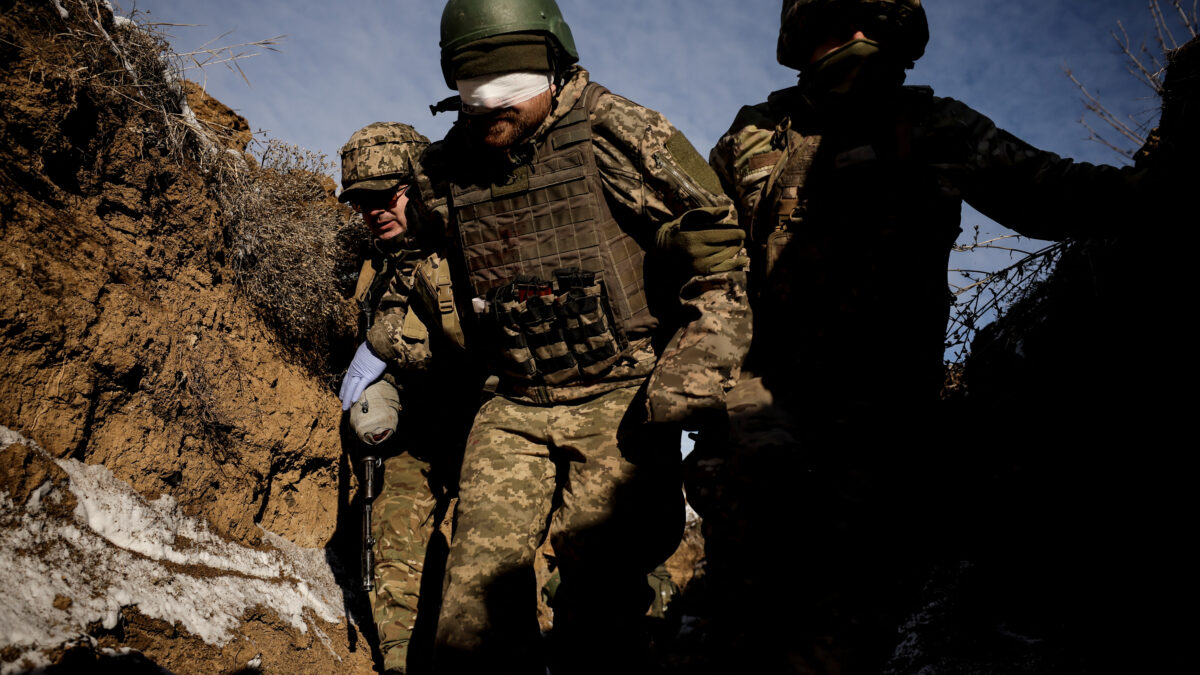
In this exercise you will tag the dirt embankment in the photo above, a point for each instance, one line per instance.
(124, 341)
(1078, 403)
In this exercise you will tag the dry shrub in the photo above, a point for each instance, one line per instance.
(981, 296)
(94, 58)
(293, 249)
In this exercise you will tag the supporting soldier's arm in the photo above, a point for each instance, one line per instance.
(1034, 192)
(744, 158)
(653, 172)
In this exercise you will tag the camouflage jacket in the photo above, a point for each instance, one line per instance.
(383, 294)
(698, 350)
(851, 217)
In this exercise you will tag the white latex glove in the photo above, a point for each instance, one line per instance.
(364, 369)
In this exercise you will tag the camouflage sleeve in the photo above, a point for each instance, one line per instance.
(398, 335)
(428, 198)
(1034, 192)
(744, 158)
(653, 174)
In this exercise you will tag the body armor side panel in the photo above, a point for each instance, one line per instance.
(851, 239)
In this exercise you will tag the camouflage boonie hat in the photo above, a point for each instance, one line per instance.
(380, 156)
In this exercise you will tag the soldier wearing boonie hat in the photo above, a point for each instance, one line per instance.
(378, 164)
(379, 157)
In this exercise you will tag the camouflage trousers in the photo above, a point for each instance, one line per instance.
(404, 519)
(813, 533)
(531, 472)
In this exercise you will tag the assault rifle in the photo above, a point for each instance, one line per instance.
(370, 464)
(373, 419)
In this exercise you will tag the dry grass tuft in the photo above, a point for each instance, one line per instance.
(292, 248)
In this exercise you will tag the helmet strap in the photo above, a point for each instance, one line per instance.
(556, 64)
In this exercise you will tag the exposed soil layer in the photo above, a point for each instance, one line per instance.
(123, 340)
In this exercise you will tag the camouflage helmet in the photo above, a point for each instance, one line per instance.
(898, 25)
(380, 156)
(466, 21)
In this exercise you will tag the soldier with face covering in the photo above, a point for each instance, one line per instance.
(850, 186)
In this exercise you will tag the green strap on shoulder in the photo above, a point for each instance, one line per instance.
(433, 286)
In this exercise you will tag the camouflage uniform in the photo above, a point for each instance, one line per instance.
(545, 459)
(851, 212)
(414, 491)
(398, 300)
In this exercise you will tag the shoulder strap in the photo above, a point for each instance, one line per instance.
(573, 127)
(366, 275)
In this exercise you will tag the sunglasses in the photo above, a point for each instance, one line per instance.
(377, 202)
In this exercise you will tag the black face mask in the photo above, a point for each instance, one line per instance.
(856, 71)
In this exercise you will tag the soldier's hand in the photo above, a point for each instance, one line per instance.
(707, 248)
(364, 369)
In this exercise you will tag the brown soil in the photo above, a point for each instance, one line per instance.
(123, 340)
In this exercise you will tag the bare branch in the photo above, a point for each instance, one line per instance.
(1134, 57)
(1094, 135)
(1163, 35)
(985, 243)
(1189, 23)
(1093, 104)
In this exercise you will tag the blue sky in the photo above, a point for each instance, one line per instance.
(346, 64)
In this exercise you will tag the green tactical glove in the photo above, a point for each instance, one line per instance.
(704, 246)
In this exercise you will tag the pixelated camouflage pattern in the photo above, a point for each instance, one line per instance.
(703, 353)
(380, 156)
(648, 188)
(863, 280)
(1032, 191)
(403, 512)
(875, 192)
(616, 522)
(908, 28)
(402, 522)
(409, 350)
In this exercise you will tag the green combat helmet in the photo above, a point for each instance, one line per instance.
(900, 25)
(380, 156)
(468, 21)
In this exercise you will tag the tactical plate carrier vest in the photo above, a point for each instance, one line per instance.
(851, 237)
(559, 285)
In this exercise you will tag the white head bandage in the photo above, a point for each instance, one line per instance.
(491, 92)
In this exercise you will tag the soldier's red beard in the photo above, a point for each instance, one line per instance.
(505, 128)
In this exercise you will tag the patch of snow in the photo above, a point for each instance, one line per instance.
(117, 553)
(325, 641)
(34, 504)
